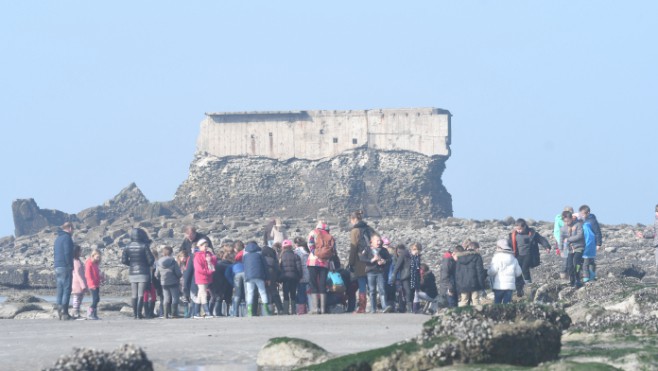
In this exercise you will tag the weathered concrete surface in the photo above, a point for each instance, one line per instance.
(215, 344)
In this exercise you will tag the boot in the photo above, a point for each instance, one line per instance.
(235, 307)
(416, 307)
(207, 313)
(140, 306)
(186, 310)
(161, 310)
(266, 310)
(286, 307)
(279, 307)
(134, 303)
(270, 308)
(167, 311)
(65, 313)
(312, 304)
(410, 308)
(94, 314)
(323, 299)
(301, 309)
(362, 303)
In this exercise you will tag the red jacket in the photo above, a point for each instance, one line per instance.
(92, 274)
(202, 273)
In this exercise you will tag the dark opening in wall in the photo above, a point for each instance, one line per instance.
(335, 140)
(353, 140)
(321, 131)
(270, 134)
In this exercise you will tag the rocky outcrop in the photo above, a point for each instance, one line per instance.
(30, 219)
(127, 357)
(384, 184)
(290, 353)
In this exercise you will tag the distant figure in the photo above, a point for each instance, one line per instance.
(169, 274)
(557, 233)
(204, 267)
(94, 277)
(504, 270)
(301, 250)
(574, 241)
(321, 250)
(63, 251)
(525, 243)
(278, 233)
(139, 258)
(375, 259)
(447, 289)
(79, 282)
(192, 237)
(402, 272)
(427, 290)
(237, 270)
(414, 274)
(652, 232)
(274, 274)
(469, 275)
(255, 274)
(593, 242)
(291, 273)
(359, 239)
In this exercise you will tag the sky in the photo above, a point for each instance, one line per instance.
(553, 102)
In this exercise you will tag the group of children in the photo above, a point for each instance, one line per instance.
(86, 278)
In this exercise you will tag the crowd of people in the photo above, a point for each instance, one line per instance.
(305, 275)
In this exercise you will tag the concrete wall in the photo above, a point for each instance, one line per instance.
(315, 135)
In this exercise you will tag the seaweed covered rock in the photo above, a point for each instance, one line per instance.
(125, 358)
(287, 352)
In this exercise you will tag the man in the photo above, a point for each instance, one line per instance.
(64, 269)
(192, 237)
(524, 242)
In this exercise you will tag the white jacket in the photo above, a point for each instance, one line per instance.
(503, 270)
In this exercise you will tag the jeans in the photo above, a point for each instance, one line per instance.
(290, 289)
(376, 285)
(95, 297)
(171, 295)
(502, 296)
(238, 292)
(64, 286)
(424, 297)
(302, 297)
(253, 284)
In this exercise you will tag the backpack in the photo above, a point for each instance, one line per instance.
(324, 244)
(335, 282)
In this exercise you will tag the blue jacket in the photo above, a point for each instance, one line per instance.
(590, 240)
(63, 250)
(591, 219)
(254, 263)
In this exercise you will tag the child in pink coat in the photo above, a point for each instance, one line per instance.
(204, 267)
(79, 285)
(93, 276)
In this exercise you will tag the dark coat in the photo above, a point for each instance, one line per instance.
(469, 272)
(189, 246)
(272, 262)
(359, 238)
(428, 285)
(254, 263)
(138, 256)
(220, 283)
(189, 284)
(527, 243)
(447, 276)
(291, 265)
(366, 255)
(403, 265)
(63, 250)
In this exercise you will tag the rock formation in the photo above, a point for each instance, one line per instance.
(30, 219)
(125, 358)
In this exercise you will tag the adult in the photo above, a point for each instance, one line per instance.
(192, 238)
(137, 255)
(278, 233)
(255, 275)
(402, 272)
(64, 268)
(274, 274)
(447, 289)
(359, 240)
(525, 243)
(321, 250)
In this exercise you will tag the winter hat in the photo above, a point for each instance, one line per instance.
(502, 245)
(286, 243)
(201, 242)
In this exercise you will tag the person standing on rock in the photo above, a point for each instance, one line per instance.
(469, 275)
(652, 232)
(557, 233)
(504, 270)
(192, 238)
(359, 240)
(593, 242)
(137, 255)
(525, 243)
(574, 241)
(63, 251)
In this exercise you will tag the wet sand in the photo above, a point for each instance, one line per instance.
(204, 344)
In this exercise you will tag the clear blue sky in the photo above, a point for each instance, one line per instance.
(554, 102)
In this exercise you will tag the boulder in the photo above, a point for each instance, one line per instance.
(290, 353)
(127, 357)
(30, 219)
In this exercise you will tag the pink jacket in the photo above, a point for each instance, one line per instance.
(93, 274)
(79, 283)
(203, 274)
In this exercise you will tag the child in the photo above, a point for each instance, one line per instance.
(204, 267)
(93, 276)
(448, 292)
(574, 240)
(592, 234)
(182, 259)
(375, 259)
(391, 280)
(291, 272)
(469, 275)
(504, 270)
(427, 289)
(79, 283)
(255, 275)
(150, 290)
(169, 274)
(302, 251)
(402, 273)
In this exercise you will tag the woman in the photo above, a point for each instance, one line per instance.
(139, 258)
(359, 239)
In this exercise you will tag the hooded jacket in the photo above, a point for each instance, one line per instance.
(272, 263)
(168, 271)
(447, 276)
(254, 263)
(428, 285)
(589, 250)
(596, 229)
(63, 250)
(291, 265)
(92, 274)
(574, 236)
(469, 272)
(359, 239)
(503, 270)
(202, 268)
(367, 254)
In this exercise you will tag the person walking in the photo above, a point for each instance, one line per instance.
(63, 251)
